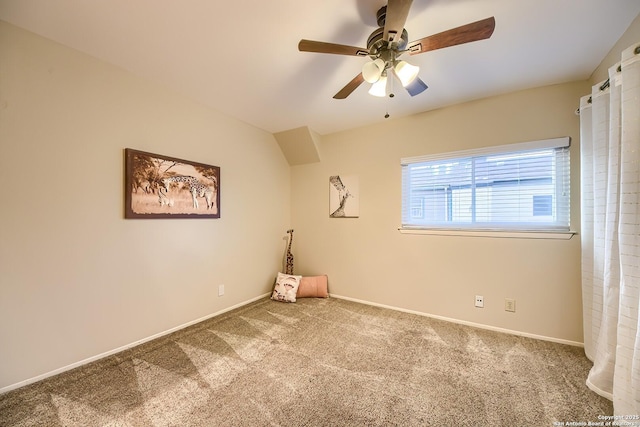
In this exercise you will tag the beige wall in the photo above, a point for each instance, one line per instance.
(368, 259)
(78, 280)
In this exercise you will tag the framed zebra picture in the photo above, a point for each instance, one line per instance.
(159, 186)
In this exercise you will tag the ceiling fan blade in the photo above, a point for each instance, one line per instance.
(397, 12)
(416, 86)
(475, 31)
(338, 49)
(350, 87)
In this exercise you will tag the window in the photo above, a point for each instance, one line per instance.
(543, 205)
(517, 187)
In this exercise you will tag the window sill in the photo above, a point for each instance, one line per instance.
(552, 235)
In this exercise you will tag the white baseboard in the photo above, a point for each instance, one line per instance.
(464, 322)
(233, 307)
(124, 347)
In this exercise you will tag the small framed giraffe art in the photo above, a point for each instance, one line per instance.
(344, 196)
(158, 186)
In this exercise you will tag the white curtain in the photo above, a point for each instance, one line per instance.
(610, 206)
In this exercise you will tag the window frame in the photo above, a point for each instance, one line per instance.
(523, 229)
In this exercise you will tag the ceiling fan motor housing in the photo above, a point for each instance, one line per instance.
(381, 16)
(381, 19)
(376, 43)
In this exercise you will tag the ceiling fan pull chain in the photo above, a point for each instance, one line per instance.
(391, 94)
(386, 116)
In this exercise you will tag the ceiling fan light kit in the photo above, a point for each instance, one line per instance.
(387, 43)
(372, 71)
(379, 88)
(406, 72)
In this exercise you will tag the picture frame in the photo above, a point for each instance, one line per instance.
(344, 196)
(158, 186)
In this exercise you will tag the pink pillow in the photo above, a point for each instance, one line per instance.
(313, 287)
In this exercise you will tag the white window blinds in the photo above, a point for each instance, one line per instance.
(521, 187)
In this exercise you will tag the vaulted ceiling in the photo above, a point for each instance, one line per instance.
(241, 57)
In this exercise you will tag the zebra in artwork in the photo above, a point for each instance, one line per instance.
(196, 188)
(162, 197)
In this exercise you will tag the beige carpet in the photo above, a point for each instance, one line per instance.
(319, 362)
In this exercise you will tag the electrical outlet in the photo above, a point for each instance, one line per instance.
(220, 290)
(510, 305)
(479, 301)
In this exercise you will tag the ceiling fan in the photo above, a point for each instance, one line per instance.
(387, 43)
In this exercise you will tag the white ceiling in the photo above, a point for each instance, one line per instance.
(241, 56)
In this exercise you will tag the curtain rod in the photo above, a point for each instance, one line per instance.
(607, 82)
(602, 87)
